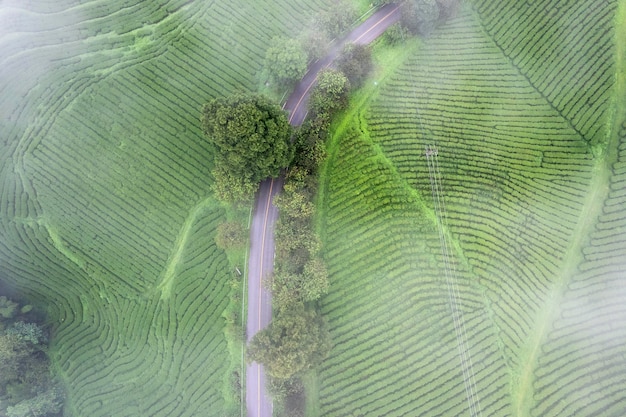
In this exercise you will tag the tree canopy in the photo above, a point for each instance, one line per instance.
(296, 340)
(355, 62)
(420, 16)
(27, 387)
(286, 60)
(330, 93)
(338, 18)
(251, 137)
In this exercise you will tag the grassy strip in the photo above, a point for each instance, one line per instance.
(387, 59)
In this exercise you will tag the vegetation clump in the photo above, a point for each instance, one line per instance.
(251, 137)
(285, 60)
(295, 341)
(27, 387)
(337, 19)
(355, 62)
(231, 235)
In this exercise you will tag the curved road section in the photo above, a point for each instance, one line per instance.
(261, 263)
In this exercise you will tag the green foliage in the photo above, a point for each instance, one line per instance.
(251, 137)
(396, 34)
(7, 307)
(309, 143)
(27, 332)
(231, 235)
(419, 16)
(26, 384)
(296, 340)
(286, 60)
(315, 279)
(47, 403)
(355, 62)
(315, 42)
(331, 92)
(448, 8)
(338, 18)
(287, 396)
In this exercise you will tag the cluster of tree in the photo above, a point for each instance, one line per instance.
(337, 19)
(297, 339)
(251, 140)
(355, 62)
(421, 17)
(286, 59)
(27, 387)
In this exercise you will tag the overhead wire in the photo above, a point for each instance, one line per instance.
(436, 183)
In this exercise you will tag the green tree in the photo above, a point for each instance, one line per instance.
(338, 18)
(331, 92)
(47, 403)
(296, 340)
(251, 137)
(285, 60)
(355, 62)
(231, 235)
(7, 307)
(314, 279)
(315, 42)
(309, 143)
(419, 16)
(447, 8)
(396, 34)
(13, 353)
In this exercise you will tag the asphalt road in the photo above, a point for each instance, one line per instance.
(261, 262)
(260, 265)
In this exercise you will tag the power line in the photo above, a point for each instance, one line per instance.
(469, 380)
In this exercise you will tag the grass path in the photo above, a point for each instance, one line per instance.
(522, 383)
(169, 273)
(522, 386)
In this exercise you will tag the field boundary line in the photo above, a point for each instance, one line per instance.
(167, 276)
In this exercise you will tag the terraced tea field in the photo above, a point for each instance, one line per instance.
(106, 214)
(516, 98)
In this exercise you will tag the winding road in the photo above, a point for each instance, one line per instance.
(261, 261)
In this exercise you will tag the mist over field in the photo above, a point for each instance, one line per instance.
(487, 277)
(107, 220)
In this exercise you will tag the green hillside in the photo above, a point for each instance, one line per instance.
(515, 225)
(106, 216)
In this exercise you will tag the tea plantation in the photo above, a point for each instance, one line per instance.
(473, 220)
(106, 215)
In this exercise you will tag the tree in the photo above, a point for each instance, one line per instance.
(447, 8)
(315, 43)
(355, 62)
(314, 279)
(309, 143)
(49, 402)
(13, 353)
(331, 92)
(338, 18)
(7, 307)
(419, 16)
(285, 60)
(396, 34)
(230, 235)
(296, 340)
(251, 137)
